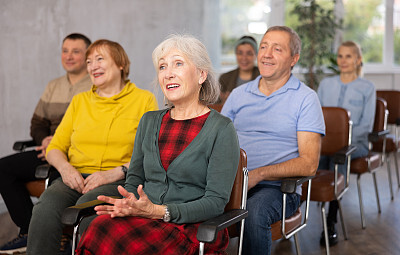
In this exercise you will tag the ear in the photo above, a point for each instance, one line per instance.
(203, 76)
(295, 58)
(359, 61)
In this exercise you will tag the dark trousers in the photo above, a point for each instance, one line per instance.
(326, 162)
(15, 171)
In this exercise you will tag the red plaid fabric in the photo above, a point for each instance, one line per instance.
(141, 236)
(176, 135)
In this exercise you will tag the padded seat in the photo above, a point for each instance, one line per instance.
(291, 223)
(323, 186)
(360, 165)
(36, 188)
(391, 145)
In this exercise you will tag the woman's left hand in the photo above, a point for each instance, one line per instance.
(130, 205)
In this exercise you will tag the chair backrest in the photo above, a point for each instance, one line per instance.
(239, 191)
(392, 98)
(337, 130)
(235, 201)
(380, 124)
(217, 107)
(380, 115)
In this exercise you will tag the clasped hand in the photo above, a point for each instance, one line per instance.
(73, 179)
(129, 205)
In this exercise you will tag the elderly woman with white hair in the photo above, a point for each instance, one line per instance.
(183, 164)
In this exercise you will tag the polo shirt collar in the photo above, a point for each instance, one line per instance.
(293, 83)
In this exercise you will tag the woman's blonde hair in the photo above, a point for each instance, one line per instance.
(196, 53)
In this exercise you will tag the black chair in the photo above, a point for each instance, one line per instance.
(35, 188)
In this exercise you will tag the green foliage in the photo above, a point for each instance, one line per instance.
(372, 49)
(228, 44)
(332, 57)
(397, 46)
(316, 24)
(361, 24)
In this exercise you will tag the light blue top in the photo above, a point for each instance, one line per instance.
(267, 126)
(358, 97)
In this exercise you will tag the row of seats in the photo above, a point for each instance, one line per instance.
(327, 185)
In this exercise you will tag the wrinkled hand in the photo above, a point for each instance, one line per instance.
(72, 178)
(127, 206)
(97, 179)
(45, 142)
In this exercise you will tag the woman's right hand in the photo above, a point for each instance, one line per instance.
(72, 178)
(129, 205)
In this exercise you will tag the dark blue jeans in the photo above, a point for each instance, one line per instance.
(264, 203)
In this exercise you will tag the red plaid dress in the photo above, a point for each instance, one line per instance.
(137, 235)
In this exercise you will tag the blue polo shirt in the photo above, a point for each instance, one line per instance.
(267, 126)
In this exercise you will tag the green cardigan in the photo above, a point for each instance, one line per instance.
(198, 183)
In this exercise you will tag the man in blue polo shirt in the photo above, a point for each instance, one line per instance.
(279, 123)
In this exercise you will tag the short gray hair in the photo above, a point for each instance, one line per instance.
(197, 53)
(295, 42)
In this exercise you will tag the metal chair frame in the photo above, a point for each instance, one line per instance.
(289, 185)
(339, 158)
(375, 136)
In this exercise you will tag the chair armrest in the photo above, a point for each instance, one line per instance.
(22, 145)
(341, 156)
(43, 171)
(375, 136)
(207, 231)
(289, 185)
(72, 215)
